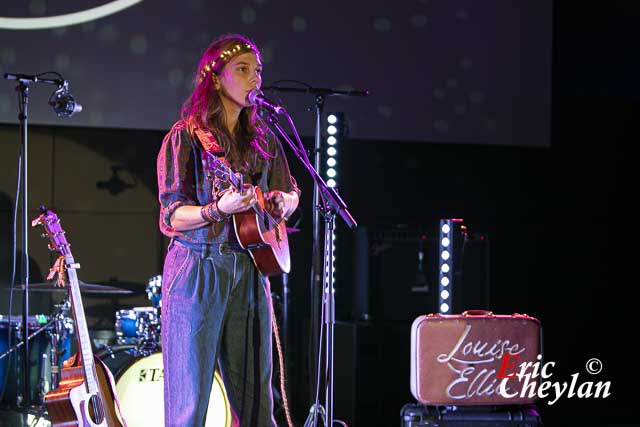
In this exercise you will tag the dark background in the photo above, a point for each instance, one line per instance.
(559, 221)
(462, 71)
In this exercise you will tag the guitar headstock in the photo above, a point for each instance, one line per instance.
(222, 171)
(51, 223)
(218, 168)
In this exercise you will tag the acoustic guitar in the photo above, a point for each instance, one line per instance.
(256, 230)
(86, 393)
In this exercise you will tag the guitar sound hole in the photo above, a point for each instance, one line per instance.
(96, 409)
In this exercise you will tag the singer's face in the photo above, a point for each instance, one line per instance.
(237, 78)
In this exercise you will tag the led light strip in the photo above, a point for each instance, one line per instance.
(68, 19)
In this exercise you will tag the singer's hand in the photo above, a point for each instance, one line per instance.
(274, 201)
(232, 201)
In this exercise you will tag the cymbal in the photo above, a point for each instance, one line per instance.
(133, 287)
(92, 288)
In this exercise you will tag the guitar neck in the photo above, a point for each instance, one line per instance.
(82, 332)
(236, 181)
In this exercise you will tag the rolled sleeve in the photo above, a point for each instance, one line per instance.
(176, 186)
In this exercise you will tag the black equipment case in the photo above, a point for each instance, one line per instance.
(419, 415)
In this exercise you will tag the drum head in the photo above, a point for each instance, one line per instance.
(140, 390)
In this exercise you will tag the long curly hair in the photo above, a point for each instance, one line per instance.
(246, 146)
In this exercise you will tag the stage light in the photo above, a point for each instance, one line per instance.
(335, 134)
(452, 236)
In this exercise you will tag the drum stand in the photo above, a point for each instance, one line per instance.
(60, 330)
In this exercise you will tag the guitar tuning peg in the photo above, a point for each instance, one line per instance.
(51, 247)
(44, 235)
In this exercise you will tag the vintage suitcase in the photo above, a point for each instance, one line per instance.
(464, 359)
(418, 415)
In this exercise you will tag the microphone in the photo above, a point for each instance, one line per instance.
(63, 103)
(256, 97)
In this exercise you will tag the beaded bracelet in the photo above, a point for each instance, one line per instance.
(221, 214)
(211, 213)
(204, 214)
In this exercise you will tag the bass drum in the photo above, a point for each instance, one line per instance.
(139, 386)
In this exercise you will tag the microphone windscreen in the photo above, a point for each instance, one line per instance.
(253, 95)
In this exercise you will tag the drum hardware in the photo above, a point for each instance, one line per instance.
(38, 324)
(101, 338)
(154, 291)
(92, 288)
(64, 329)
(58, 330)
(17, 326)
(139, 326)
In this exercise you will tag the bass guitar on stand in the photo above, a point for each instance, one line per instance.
(86, 393)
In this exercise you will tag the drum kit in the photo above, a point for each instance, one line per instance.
(136, 364)
(134, 359)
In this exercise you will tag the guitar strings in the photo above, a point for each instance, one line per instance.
(216, 163)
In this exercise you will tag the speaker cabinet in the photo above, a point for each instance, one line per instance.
(393, 275)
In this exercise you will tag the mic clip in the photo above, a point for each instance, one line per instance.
(63, 103)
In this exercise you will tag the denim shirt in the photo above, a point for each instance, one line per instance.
(184, 179)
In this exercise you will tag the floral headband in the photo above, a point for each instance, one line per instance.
(225, 56)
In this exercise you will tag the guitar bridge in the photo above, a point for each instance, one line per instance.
(256, 246)
(278, 235)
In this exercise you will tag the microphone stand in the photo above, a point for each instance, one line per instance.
(330, 206)
(316, 289)
(23, 88)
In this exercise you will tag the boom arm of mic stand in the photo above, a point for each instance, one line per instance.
(28, 78)
(329, 195)
(318, 91)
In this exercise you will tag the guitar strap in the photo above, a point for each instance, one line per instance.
(208, 141)
(209, 144)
